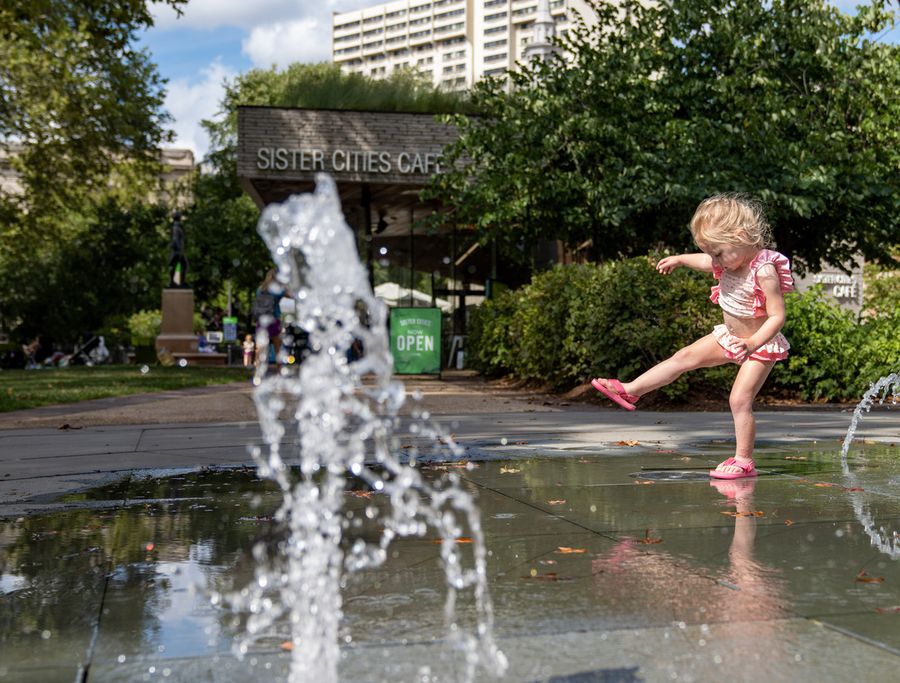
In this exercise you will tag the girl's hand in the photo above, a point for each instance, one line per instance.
(741, 350)
(668, 264)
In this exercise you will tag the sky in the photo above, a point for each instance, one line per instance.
(215, 40)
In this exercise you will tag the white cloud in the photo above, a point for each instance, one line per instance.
(190, 103)
(287, 42)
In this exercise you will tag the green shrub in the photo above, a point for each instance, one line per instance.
(575, 322)
(145, 327)
(490, 344)
(632, 318)
(834, 357)
(620, 318)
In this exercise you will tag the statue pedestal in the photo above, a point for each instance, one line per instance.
(177, 339)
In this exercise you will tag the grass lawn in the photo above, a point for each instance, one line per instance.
(33, 388)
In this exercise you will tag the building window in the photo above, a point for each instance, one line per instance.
(494, 3)
(451, 27)
(495, 17)
(495, 58)
(341, 27)
(420, 8)
(495, 29)
(372, 20)
(495, 72)
(495, 43)
(447, 15)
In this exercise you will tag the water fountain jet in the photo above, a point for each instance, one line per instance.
(325, 428)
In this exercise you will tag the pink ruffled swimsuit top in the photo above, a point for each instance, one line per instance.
(742, 297)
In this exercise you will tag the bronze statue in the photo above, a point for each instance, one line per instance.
(178, 263)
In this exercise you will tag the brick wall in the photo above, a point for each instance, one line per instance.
(352, 146)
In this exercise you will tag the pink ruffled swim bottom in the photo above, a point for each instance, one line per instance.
(775, 349)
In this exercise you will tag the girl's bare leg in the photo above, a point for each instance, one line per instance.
(703, 353)
(747, 384)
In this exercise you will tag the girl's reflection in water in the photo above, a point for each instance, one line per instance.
(642, 577)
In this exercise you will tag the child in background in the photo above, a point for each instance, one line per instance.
(248, 347)
(732, 233)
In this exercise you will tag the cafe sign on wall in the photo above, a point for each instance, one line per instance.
(347, 161)
(416, 340)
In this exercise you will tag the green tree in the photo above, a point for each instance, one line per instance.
(77, 96)
(663, 104)
(80, 108)
(113, 265)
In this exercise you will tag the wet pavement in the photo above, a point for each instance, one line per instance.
(612, 557)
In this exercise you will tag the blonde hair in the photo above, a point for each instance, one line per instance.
(731, 218)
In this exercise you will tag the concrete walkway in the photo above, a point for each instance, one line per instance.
(611, 557)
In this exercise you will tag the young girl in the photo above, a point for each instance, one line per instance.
(248, 348)
(732, 232)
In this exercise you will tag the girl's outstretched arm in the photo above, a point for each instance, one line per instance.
(701, 262)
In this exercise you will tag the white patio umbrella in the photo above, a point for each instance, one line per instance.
(396, 295)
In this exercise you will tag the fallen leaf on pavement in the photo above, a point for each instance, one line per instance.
(627, 443)
(461, 539)
(863, 577)
(508, 470)
(556, 502)
(648, 538)
(563, 550)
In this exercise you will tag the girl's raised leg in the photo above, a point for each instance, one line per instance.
(703, 353)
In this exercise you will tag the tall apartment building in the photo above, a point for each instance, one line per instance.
(454, 42)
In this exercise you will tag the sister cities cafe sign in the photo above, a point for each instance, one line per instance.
(292, 145)
(345, 160)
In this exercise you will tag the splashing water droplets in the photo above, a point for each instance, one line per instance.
(884, 540)
(327, 434)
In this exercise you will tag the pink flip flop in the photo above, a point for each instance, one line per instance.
(615, 392)
(735, 489)
(748, 469)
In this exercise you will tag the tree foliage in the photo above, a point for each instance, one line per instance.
(663, 104)
(113, 265)
(76, 94)
(81, 124)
